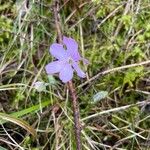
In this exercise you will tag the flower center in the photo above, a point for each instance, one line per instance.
(70, 60)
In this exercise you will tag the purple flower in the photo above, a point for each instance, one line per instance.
(68, 59)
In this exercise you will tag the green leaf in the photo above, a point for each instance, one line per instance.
(30, 110)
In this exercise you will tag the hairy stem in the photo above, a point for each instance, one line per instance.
(76, 114)
(70, 83)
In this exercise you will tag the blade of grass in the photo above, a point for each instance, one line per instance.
(19, 122)
(30, 110)
(2, 148)
(14, 117)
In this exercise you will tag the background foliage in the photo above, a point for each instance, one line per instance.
(110, 34)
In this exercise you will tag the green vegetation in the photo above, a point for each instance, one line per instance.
(114, 107)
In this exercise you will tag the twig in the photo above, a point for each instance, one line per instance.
(110, 15)
(57, 20)
(70, 83)
(113, 70)
(126, 10)
(143, 103)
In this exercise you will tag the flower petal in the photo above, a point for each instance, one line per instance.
(54, 67)
(58, 51)
(80, 73)
(72, 48)
(66, 73)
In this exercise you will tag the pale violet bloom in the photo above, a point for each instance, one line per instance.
(68, 57)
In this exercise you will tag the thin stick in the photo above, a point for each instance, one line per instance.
(70, 83)
(113, 70)
(143, 103)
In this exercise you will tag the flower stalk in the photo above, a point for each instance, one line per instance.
(70, 83)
